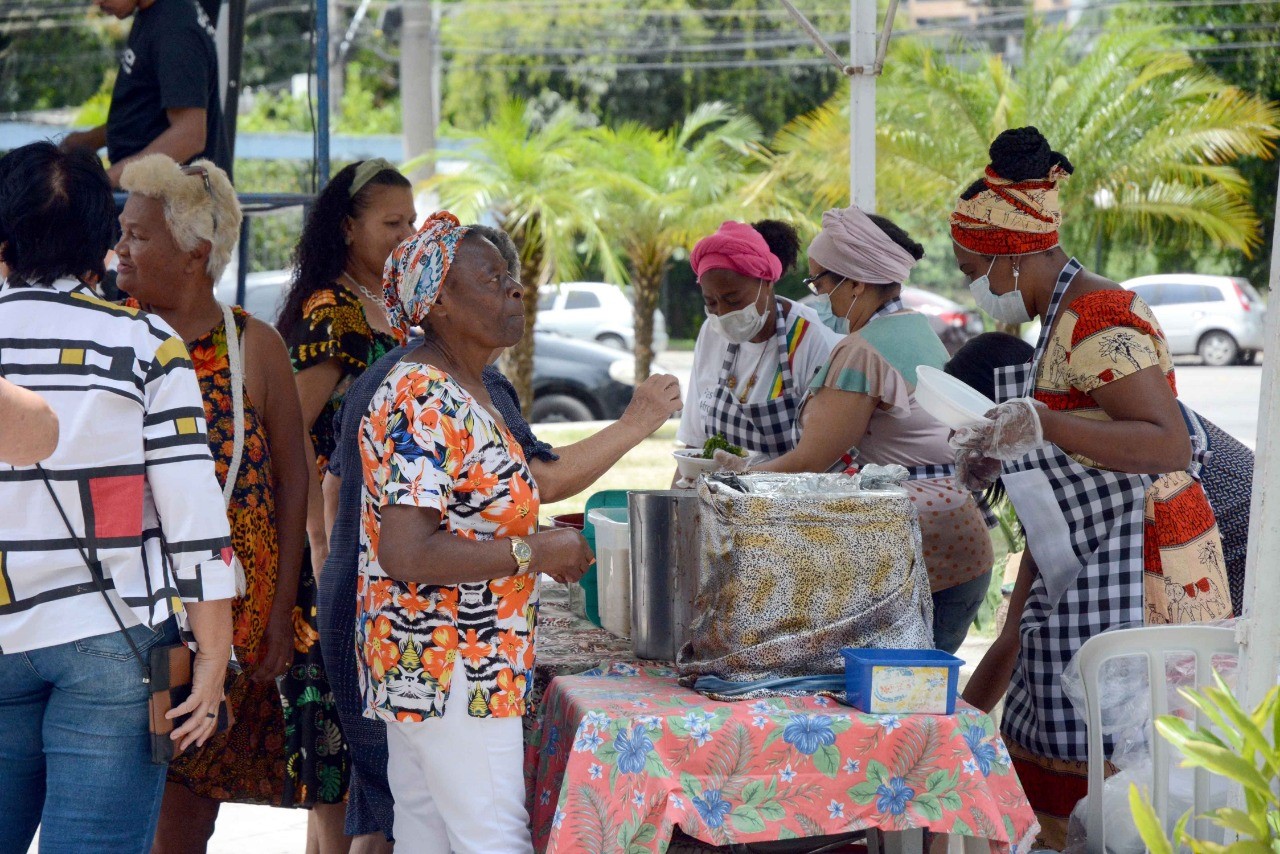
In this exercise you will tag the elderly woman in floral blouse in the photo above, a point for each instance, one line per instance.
(449, 557)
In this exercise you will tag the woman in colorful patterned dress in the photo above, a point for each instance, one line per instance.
(335, 324)
(450, 553)
(1095, 455)
(169, 269)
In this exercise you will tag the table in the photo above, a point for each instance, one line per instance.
(622, 754)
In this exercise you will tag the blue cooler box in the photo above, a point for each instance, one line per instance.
(901, 681)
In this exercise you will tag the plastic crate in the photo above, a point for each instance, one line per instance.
(901, 681)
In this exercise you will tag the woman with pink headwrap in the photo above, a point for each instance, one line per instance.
(861, 408)
(756, 351)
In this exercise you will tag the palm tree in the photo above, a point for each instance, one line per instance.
(526, 173)
(666, 188)
(1153, 137)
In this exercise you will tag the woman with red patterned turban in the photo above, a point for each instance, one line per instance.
(1095, 454)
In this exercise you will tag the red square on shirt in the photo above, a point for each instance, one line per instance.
(117, 506)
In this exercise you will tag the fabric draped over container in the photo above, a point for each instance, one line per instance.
(797, 566)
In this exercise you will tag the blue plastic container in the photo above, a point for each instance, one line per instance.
(901, 681)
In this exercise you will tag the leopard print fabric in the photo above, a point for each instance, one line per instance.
(789, 580)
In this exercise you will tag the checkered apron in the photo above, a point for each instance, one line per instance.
(761, 428)
(1085, 528)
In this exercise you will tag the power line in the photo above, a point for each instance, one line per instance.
(653, 66)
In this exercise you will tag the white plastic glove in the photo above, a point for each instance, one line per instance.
(730, 462)
(1012, 430)
(974, 471)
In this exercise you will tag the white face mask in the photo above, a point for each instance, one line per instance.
(739, 326)
(1006, 308)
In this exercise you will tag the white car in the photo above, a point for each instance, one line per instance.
(1219, 318)
(594, 311)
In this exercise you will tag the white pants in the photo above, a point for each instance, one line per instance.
(458, 781)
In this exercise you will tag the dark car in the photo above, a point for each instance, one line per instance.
(572, 380)
(579, 381)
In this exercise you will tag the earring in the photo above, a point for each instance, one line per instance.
(1017, 271)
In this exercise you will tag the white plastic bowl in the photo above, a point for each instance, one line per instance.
(691, 463)
(950, 400)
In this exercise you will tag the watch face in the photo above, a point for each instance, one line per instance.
(522, 551)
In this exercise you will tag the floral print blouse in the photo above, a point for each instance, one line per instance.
(427, 443)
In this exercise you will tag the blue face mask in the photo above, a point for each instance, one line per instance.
(822, 305)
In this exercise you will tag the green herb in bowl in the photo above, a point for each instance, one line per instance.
(719, 443)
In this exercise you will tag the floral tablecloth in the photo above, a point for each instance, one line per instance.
(567, 644)
(624, 754)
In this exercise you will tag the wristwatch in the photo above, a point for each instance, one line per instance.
(522, 552)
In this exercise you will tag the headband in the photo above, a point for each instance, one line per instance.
(417, 269)
(365, 173)
(737, 247)
(852, 245)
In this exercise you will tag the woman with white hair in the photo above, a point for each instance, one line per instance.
(178, 230)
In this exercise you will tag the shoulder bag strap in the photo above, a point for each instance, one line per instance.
(235, 357)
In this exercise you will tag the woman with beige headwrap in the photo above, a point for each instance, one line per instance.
(447, 592)
(861, 408)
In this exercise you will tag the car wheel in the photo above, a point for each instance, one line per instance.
(553, 408)
(611, 340)
(1218, 349)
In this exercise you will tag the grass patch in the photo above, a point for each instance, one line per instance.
(648, 466)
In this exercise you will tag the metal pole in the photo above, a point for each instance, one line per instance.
(242, 262)
(862, 104)
(1260, 633)
(235, 12)
(322, 92)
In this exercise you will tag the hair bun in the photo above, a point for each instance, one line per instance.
(1023, 154)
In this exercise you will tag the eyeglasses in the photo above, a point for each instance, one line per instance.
(811, 282)
(208, 188)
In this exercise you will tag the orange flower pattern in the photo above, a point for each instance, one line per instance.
(427, 443)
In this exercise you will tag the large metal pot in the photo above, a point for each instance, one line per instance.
(666, 563)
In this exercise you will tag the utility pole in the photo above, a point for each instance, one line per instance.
(862, 103)
(337, 61)
(1260, 638)
(420, 81)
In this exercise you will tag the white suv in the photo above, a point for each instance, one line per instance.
(594, 311)
(1219, 318)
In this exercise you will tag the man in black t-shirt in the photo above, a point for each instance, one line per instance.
(166, 97)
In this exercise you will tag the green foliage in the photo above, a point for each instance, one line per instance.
(588, 52)
(1153, 137)
(1241, 44)
(44, 68)
(665, 189)
(1244, 748)
(527, 170)
(365, 109)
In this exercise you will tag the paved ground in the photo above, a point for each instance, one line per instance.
(1227, 396)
